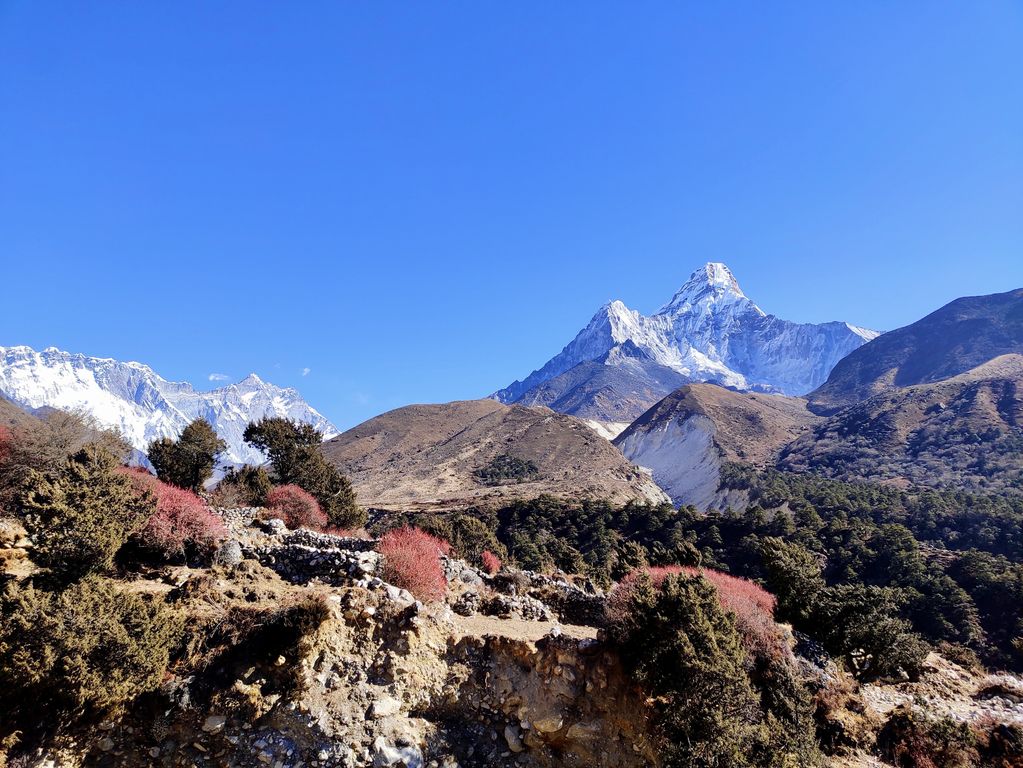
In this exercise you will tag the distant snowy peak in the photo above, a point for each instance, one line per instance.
(864, 333)
(709, 331)
(712, 284)
(144, 406)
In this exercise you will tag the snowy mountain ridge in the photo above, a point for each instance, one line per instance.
(708, 331)
(144, 406)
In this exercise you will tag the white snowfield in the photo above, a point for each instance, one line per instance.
(708, 331)
(144, 406)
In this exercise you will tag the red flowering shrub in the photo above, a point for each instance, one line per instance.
(181, 519)
(297, 508)
(412, 562)
(491, 562)
(751, 605)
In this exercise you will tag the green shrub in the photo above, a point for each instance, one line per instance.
(505, 469)
(83, 514)
(685, 650)
(861, 623)
(245, 486)
(188, 461)
(912, 740)
(78, 653)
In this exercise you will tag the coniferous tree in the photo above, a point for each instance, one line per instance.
(188, 461)
(294, 452)
(686, 652)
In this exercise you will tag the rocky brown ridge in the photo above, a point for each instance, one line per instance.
(687, 437)
(748, 427)
(10, 414)
(957, 338)
(426, 456)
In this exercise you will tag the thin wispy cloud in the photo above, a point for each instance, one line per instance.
(305, 371)
(219, 377)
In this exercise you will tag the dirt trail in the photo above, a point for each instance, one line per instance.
(516, 629)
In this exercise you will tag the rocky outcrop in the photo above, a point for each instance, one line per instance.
(376, 678)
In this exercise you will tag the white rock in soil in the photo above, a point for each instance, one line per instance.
(384, 707)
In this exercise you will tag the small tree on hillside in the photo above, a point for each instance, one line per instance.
(294, 452)
(188, 461)
(82, 516)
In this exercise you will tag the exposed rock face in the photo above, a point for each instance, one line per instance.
(623, 362)
(957, 338)
(428, 456)
(685, 438)
(384, 680)
(682, 458)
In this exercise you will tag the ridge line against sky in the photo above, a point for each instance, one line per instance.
(379, 206)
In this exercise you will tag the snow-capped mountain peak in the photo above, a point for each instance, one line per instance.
(711, 284)
(709, 331)
(144, 406)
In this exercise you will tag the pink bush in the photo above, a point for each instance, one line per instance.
(296, 507)
(491, 562)
(751, 605)
(412, 562)
(181, 518)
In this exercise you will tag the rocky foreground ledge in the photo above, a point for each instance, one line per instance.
(300, 654)
(499, 674)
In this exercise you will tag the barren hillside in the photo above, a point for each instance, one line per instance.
(965, 431)
(686, 437)
(429, 456)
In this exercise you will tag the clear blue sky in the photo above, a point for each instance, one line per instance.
(424, 201)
